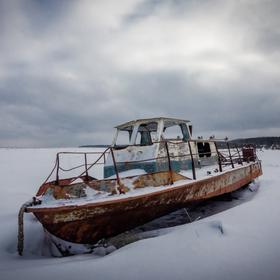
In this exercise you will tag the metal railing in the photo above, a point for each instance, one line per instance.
(57, 167)
(225, 156)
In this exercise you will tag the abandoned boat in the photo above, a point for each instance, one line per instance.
(153, 167)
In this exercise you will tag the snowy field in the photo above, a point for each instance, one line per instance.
(240, 242)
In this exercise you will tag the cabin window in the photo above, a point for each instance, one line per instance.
(204, 149)
(146, 134)
(200, 149)
(207, 149)
(173, 132)
(123, 138)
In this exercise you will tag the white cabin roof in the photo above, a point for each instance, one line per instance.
(168, 122)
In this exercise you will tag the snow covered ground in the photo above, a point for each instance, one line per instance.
(241, 242)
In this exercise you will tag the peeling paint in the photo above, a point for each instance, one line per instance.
(90, 222)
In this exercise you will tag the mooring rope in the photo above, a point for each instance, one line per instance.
(20, 226)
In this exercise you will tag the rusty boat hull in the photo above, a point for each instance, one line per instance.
(92, 221)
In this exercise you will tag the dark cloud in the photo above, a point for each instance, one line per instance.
(175, 95)
(71, 70)
(174, 8)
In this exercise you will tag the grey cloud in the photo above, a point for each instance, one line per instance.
(174, 95)
(62, 85)
(261, 21)
(173, 8)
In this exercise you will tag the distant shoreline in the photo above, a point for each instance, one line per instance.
(267, 141)
(94, 146)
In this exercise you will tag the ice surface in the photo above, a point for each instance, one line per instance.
(242, 242)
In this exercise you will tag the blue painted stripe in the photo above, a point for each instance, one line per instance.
(149, 167)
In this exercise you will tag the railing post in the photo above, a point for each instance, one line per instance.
(169, 163)
(230, 155)
(86, 166)
(219, 159)
(240, 159)
(57, 169)
(255, 153)
(115, 166)
(193, 165)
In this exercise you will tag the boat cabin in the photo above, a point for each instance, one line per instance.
(145, 144)
(145, 132)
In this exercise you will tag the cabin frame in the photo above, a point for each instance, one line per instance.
(146, 148)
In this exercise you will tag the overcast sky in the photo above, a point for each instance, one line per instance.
(71, 70)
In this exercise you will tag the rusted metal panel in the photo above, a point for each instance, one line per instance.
(249, 153)
(77, 190)
(157, 179)
(90, 222)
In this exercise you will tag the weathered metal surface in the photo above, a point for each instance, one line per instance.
(78, 190)
(90, 222)
(61, 183)
(249, 153)
(157, 179)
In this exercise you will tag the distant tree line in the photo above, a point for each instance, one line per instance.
(260, 142)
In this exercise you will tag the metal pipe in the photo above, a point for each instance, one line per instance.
(193, 165)
(239, 156)
(57, 169)
(115, 166)
(22, 210)
(169, 163)
(230, 155)
(86, 166)
(219, 159)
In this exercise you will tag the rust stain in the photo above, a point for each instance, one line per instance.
(157, 179)
(90, 222)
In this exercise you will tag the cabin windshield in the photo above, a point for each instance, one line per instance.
(124, 136)
(146, 134)
(176, 131)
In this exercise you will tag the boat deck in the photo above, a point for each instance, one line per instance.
(92, 196)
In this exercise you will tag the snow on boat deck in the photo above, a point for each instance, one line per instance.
(97, 197)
